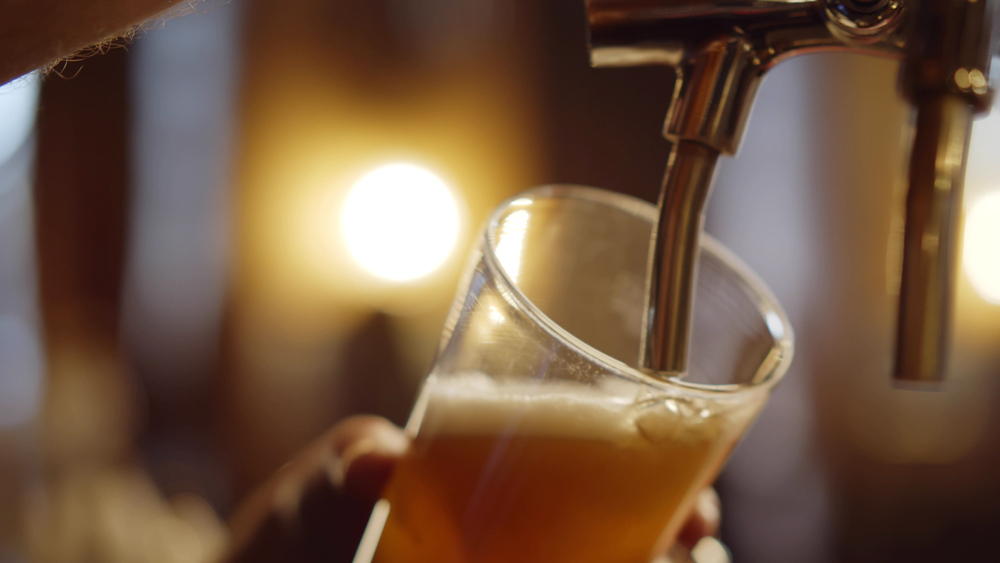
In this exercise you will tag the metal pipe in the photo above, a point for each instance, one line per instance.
(933, 211)
(673, 258)
(945, 76)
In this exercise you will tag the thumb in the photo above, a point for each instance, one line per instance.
(316, 507)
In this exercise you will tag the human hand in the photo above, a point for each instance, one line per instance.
(316, 507)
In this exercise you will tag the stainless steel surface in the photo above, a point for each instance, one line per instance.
(945, 76)
(674, 252)
(721, 49)
(933, 208)
(714, 92)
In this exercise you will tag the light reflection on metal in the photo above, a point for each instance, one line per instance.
(720, 51)
(943, 37)
(930, 245)
(673, 258)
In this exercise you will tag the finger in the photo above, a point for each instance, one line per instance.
(365, 450)
(704, 519)
(316, 507)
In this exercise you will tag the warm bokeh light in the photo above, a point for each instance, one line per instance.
(981, 257)
(400, 222)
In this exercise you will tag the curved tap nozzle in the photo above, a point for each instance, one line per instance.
(720, 49)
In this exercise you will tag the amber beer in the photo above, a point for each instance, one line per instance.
(548, 473)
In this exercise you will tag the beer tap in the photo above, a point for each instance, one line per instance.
(721, 49)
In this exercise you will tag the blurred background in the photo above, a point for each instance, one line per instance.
(183, 305)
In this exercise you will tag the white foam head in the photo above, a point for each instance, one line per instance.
(475, 404)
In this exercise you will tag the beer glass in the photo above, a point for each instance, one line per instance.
(535, 437)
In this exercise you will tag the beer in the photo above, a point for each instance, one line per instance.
(549, 472)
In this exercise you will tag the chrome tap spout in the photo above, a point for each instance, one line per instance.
(720, 50)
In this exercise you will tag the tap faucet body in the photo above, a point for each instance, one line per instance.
(720, 50)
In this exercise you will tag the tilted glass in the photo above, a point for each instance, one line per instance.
(535, 437)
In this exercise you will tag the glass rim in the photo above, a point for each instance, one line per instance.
(769, 372)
